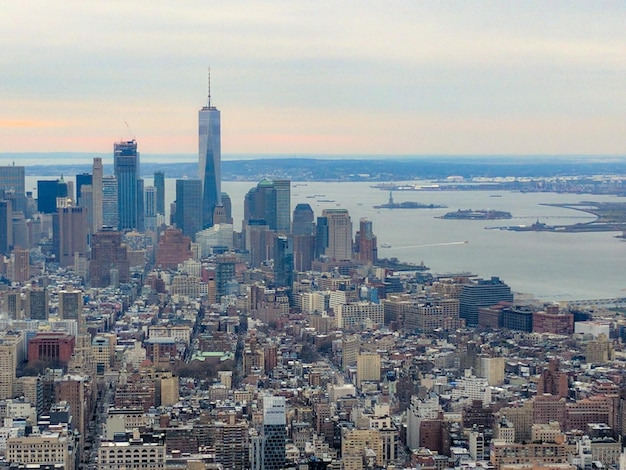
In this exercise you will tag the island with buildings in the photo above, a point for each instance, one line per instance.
(481, 214)
(407, 205)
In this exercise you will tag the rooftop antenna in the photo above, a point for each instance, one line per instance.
(209, 97)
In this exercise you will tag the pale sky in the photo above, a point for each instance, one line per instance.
(315, 77)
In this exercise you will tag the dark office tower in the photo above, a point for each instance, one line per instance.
(98, 194)
(141, 209)
(6, 227)
(365, 242)
(188, 207)
(108, 256)
(12, 179)
(81, 180)
(70, 230)
(224, 273)
(321, 236)
(228, 208)
(126, 166)
(36, 305)
(159, 184)
(274, 433)
(481, 293)
(210, 158)
(109, 203)
(47, 194)
(283, 262)
(303, 220)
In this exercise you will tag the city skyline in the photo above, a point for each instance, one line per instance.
(414, 79)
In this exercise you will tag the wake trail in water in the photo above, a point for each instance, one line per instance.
(433, 244)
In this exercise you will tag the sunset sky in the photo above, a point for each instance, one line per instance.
(323, 77)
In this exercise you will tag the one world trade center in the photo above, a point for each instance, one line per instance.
(210, 150)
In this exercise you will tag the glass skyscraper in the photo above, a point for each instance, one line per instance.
(188, 208)
(12, 179)
(159, 184)
(126, 165)
(210, 160)
(109, 202)
(274, 433)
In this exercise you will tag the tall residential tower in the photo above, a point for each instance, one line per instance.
(210, 157)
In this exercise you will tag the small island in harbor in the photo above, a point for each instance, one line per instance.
(482, 214)
(407, 205)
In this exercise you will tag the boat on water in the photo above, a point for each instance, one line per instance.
(385, 245)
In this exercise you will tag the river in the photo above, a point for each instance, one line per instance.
(548, 265)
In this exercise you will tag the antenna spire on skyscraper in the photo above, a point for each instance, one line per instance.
(209, 89)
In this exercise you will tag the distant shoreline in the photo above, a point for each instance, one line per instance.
(375, 170)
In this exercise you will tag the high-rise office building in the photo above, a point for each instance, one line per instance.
(210, 159)
(482, 293)
(188, 207)
(98, 194)
(339, 245)
(126, 166)
(270, 201)
(36, 304)
(20, 261)
(82, 180)
(174, 248)
(141, 209)
(282, 197)
(6, 226)
(70, 230)
(274, 432)
(9, 351)
(228, 208)
(224, 273)
(109, 259)
(150, 207)
(13, 180)
(70, 304)
(321, 236)
(20, 230)
(303, 220)
(283, 262)
(109, 203)
(259, 241)
(365, 242)
(159, 184)
(47, 193)
(86, 201)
